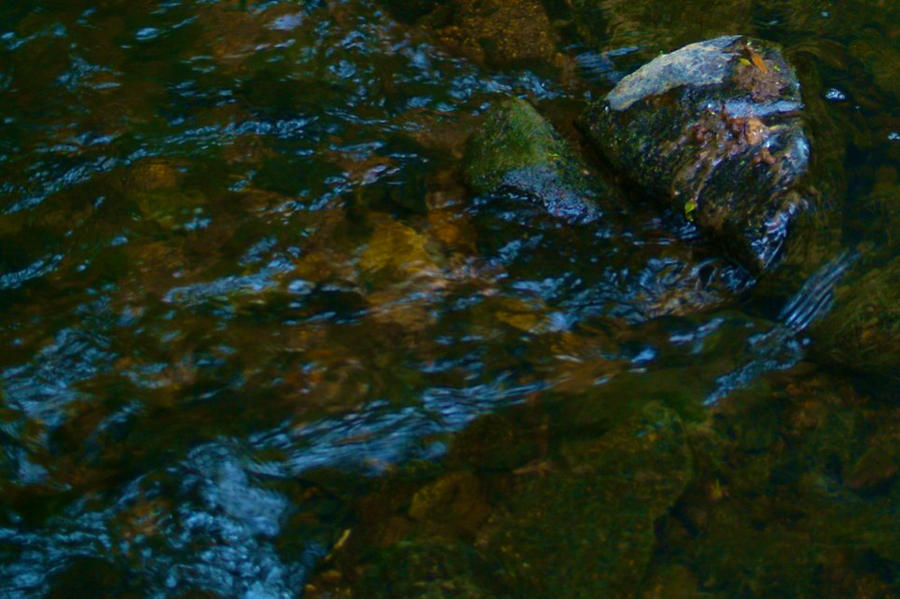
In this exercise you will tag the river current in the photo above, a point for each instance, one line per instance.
(237, 267)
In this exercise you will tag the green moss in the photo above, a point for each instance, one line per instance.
(516, 148)
(513, 136)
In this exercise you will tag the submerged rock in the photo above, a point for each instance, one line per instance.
(655, 24)
(862, 332)
(500, 33)
(517, 149)
(427, 570)
(714, 129)
(587, 529)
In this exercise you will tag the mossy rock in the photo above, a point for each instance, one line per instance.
(452, 505)
(587, 530)
(792, 496)
(714, 130)
(517, 149)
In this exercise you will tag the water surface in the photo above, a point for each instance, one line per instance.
(241, 284)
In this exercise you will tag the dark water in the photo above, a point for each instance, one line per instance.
(240, 284)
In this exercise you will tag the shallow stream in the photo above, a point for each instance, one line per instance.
(244, 298)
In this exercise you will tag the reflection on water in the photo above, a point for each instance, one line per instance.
(240, 281)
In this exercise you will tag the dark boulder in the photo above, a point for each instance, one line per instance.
(518, 160)
(714, 129)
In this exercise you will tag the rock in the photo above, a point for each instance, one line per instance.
(655, 24)
(587, 529)
(714, 130)
(791, 493)
(426, 570)
(517, 149)
(453, 502)
(492, 442)
(499, 33)
(862, 332)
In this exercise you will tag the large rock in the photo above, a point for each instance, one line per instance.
(517, 155)
(714, 129)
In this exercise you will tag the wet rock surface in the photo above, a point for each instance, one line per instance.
(714, 130)
(527, 172)
(517, 149)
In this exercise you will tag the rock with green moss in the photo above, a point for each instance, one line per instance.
(452, 505)
(794, 495)
(518, 150)
(714, 130)
(586, 529)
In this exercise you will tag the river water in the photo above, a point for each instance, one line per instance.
(237, 268)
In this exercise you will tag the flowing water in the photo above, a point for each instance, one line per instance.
(237, 268)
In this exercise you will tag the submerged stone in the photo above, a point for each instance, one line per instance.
(862, 332)
(654, 24)
(518, 150)
(427, 570)
(714, 129)
(500, 33)
(586, 530)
